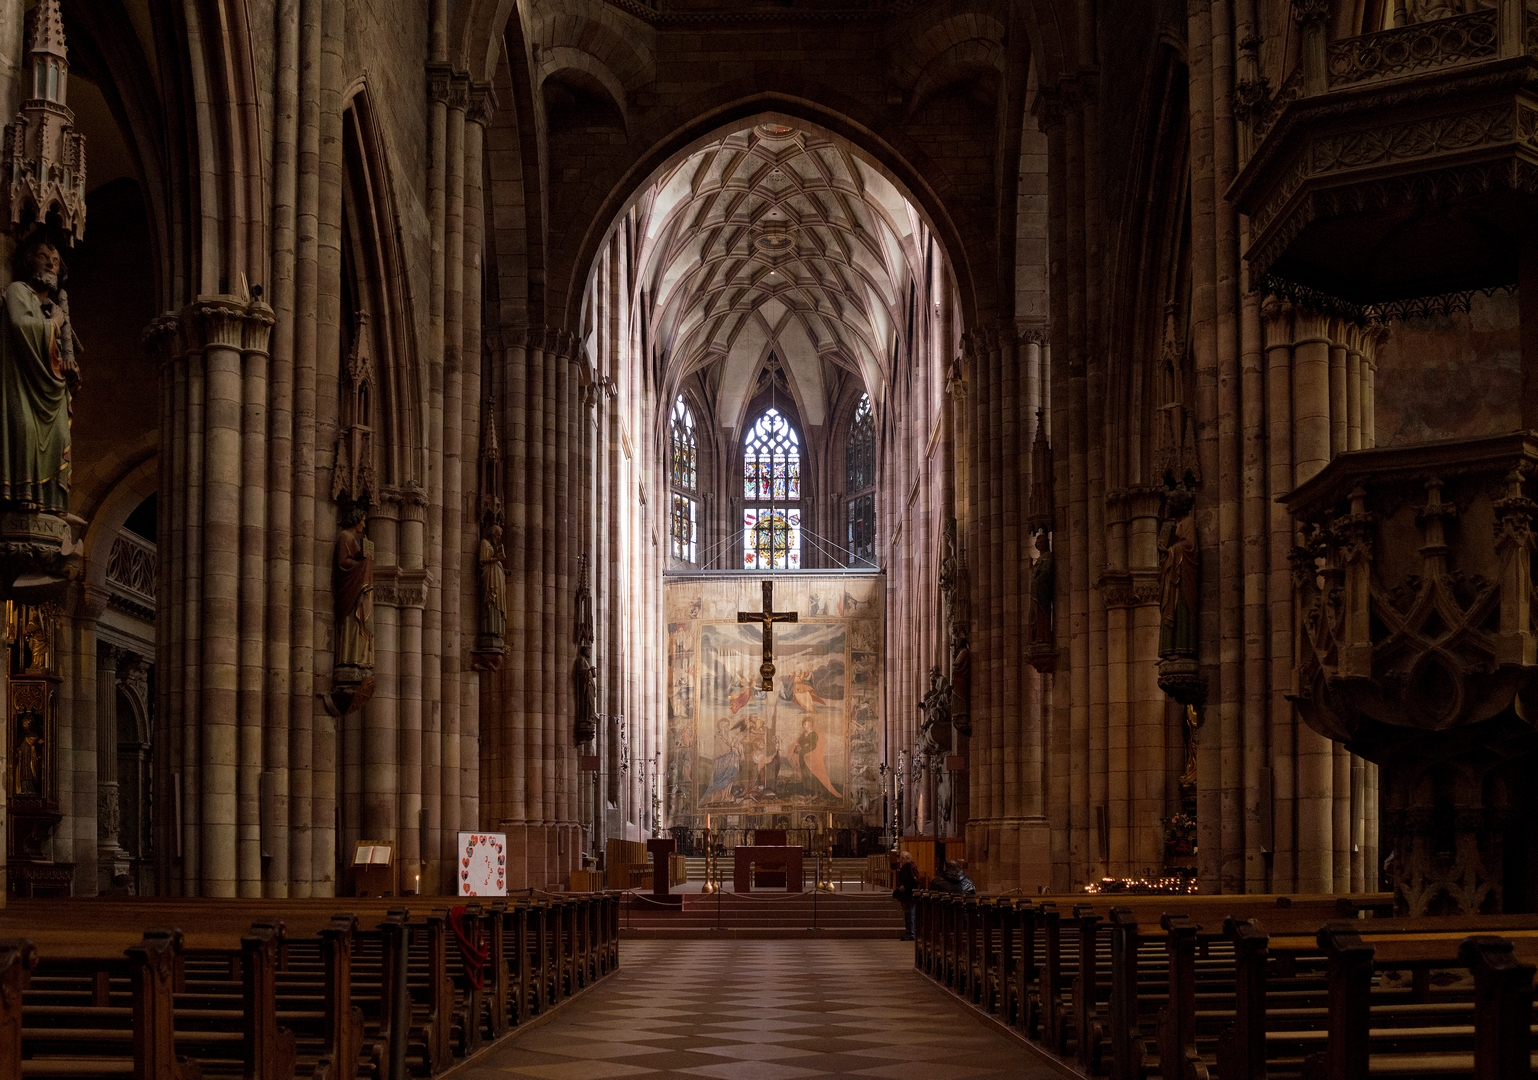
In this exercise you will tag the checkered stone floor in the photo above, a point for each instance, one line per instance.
(762, 1010)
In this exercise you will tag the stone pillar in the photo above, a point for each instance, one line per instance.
(110, 856)
(223, 333)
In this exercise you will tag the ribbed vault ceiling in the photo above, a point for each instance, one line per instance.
(775, 240)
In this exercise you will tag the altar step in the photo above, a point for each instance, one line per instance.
(847, 871)
(764, 914)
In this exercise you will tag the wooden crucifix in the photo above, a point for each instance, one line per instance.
(768, 617)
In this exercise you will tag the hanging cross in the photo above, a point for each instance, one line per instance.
(768, 617)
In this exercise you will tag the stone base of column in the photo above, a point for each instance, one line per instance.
(542, 856)
(1004, 854)
(114, 873)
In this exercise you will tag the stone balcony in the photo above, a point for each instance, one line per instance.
(1397, 165)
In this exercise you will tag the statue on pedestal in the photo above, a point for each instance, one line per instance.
(354, 596)
(936, 707)
(493, 560)
(961, 680)
(1179, 594)
(584, 674)
(38, 374)
(1043, 592)
(1178, 577)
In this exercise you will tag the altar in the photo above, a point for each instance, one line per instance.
(761, 858)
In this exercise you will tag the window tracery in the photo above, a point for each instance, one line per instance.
(683, 471)
(861, 459)
(771, 516)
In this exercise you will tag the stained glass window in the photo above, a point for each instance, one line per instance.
(772, 460)
(771, 534)
(862, 447)
(862, 529)
(685, 528)
(861, 457)
(684, 475)
(771, 539)
(685, 465)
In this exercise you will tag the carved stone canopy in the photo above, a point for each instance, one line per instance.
(1413, 596)
(1413, 152)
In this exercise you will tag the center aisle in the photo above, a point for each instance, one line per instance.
(762, 1010)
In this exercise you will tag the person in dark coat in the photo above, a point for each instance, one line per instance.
(951, 879)
(907, 884)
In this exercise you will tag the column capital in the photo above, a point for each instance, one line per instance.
(227, 321)
(483, 104)
(1048, 110)
(1303, 11)
(459, 91)
(438, 76)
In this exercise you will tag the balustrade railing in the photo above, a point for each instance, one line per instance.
(1508, 29)
(1405, 49)
(131, 568)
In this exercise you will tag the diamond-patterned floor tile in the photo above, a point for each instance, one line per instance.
(762, 1010)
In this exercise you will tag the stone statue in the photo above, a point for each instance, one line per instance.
(936, 707)
(585, 675)
(1188, 774)
(1043, 591)
(961, 680)
(1178, 576)
(38, 374)
(354, 592)
(27, 775)
(493, 560)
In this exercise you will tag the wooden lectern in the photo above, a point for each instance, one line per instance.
(660, 848)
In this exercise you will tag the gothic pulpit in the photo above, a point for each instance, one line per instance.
(661, 848)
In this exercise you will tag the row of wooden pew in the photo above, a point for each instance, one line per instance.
(1242, 988)
(279, 989)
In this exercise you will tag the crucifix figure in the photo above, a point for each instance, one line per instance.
(768, 617)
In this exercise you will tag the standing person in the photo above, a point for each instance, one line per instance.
(907, 883)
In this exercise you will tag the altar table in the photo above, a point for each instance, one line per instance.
(766, 858)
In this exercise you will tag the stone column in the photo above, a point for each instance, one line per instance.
(223, 332)
(462, 749)
(109, 851)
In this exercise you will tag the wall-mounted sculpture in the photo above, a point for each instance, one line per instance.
(491, 558)
(352, 672)
(43, 160)
(1041, 628)
(584, 674)
(1179, 601)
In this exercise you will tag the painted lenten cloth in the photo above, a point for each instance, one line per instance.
(810, 746)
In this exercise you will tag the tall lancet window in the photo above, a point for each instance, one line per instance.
(861, 457)
(684, 476)
(771, 514)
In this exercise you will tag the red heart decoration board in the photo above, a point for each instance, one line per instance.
(483, 864)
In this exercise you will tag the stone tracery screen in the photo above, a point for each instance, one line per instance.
(781, 759)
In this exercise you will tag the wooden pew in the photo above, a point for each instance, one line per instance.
(396, 1000)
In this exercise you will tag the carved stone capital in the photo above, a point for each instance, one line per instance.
(1303, 11)
(459, 91)
(1116, 588)
(438, 78)
(227, 322)
(1049, 111)
(483, 104)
